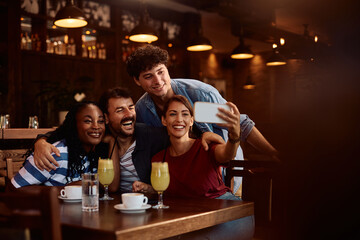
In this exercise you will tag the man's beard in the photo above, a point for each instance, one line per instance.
(120, 131)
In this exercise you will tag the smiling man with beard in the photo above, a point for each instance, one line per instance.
(134, 143)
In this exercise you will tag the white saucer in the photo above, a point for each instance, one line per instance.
(70, 199)
(122, 208)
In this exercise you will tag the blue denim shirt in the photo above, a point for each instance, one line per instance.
(194, 91)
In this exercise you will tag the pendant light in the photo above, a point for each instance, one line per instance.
(242, 51)
(70, 16)
(249, 84)
(143, 32)
(276, 59)
(200, 43)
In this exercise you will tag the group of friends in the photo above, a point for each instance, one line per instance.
(159, 127)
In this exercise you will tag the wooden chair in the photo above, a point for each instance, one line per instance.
(36, 209)
(257, 174)
(10, 163)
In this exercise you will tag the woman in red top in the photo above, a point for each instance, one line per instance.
(194, 171)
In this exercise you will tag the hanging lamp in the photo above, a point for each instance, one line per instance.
(200, 43)
(276, 59)
(242, 51)
(249, 84)
(70, 16)
(143, 32)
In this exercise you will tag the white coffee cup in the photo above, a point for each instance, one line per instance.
(71, 192)
(133, 200)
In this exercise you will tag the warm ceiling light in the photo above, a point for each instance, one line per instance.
(249, 84)
(70, 16)
(242, 51)
(200, 43)
(282, 41)
(276, 59)
(316, 39)
(143, 32)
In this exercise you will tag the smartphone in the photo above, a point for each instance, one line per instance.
(206, 112)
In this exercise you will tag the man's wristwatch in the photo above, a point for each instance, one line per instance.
(233, 141)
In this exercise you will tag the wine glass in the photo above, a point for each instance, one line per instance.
(106, 175)
(160, 180)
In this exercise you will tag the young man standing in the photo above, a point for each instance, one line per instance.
(148, 67)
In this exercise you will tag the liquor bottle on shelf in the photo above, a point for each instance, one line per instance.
(89, 52)
(23, 41)
(94, 52)
(72, 48)
(33, 42)
(102, 51)
(49, 45)
(84, 51)
(28, 41)
(37, 43)
(62, 48)
(56, 47)
(65, 45)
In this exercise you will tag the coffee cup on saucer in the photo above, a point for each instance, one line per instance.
(134, 200)
(71, 192)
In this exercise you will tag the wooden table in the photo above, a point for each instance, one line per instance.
(190, 218)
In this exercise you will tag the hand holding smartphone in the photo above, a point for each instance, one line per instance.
(206, 112)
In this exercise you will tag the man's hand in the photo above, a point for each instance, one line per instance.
(210, 137)
(142, 187)
(43, 157)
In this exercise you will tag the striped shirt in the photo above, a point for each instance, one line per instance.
(29, 174)
(128, 172)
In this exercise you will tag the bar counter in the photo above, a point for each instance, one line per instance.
(22, 133)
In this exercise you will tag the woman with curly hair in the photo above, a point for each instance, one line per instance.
(80, 147)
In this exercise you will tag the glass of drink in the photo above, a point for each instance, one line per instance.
(106, 175)
(90, 192)
(160, 180)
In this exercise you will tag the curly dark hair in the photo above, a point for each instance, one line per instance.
(145, 58)
(76, 153)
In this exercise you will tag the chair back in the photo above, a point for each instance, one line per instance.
(249, 168)
(257, 183)
(38, 209)
(10, 163)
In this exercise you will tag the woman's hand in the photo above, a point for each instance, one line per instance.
(232, 119)
(138, 186)
(42, 155)
(226, 152)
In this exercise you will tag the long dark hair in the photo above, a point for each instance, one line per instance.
(76, 153)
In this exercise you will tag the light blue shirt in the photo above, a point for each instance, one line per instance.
(29, 174)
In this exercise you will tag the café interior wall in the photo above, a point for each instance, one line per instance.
(53, 75)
